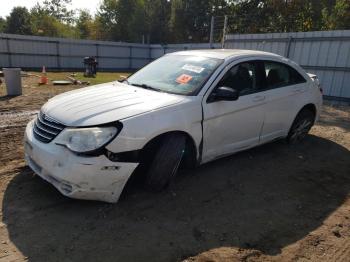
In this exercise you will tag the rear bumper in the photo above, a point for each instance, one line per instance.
(90, 178)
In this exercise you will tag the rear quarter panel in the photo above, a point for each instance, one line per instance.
(311, 96)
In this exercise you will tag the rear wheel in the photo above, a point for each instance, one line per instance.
(301, 126)
(166, 162)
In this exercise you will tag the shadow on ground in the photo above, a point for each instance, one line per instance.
(265, 198)
(7, 97)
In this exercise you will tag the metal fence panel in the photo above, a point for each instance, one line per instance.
(32, 61)
(77, 49)
(70, 62)
(140, 52)
(31, 47)
(138, 63)
(324, 53)
(114, 51)
(3, 46)
(113, 63)
(159, 50)
(32, 52)
(4, 59)
(156, 51)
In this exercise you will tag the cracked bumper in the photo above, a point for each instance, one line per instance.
(90, 178)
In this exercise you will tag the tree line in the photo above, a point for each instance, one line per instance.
(175, 21)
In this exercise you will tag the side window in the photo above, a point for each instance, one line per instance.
(241, 77)
(295, 77)
(280, 75)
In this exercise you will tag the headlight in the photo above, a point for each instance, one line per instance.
(85, 140)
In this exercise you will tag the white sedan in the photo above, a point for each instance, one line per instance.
(186, 108)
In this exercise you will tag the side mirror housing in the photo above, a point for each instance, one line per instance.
(224, 93)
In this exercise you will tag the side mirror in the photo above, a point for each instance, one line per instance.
(224, 93)
(122, 78)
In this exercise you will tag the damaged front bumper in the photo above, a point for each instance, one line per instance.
(81, 177)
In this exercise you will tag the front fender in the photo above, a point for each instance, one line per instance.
(139, 130)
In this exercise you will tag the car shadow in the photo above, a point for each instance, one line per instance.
(265, 198)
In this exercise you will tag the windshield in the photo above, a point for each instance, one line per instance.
(178, 74)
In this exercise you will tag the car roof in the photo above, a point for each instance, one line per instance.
(225, 53)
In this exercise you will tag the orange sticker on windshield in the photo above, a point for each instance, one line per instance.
(183, 79)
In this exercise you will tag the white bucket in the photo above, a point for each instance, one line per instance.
(13, 81)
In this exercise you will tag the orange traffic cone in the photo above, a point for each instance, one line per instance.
(43, 78)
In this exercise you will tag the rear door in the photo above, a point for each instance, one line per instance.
(283, 87)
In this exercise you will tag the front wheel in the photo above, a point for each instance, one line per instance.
(166, 162)
(301, 126)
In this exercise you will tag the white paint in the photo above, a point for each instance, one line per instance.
(88, 177)
(228, 126)
(107, 103)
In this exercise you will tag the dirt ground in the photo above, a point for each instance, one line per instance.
(272, 203)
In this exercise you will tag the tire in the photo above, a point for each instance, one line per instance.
(166, 162)
(301, 126)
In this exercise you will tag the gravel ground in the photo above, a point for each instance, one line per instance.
(272, 203)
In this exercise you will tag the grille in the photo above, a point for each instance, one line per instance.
(46, 129)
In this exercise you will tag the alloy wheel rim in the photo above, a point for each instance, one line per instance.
(301, 130)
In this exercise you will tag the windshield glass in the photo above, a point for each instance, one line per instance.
(178, 74)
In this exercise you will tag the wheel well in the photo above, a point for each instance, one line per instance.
(309, 107)
(190, 155)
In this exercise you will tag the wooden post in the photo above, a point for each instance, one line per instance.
(211, 38)
(9, 51)
(224, 32)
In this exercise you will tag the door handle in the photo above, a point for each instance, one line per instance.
(258, 98)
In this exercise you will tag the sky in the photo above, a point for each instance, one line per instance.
(7, 5)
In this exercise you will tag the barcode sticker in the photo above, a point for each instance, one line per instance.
(193, 68)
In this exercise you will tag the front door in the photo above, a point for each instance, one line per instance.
(230, 126)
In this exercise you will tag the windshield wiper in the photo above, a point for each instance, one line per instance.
(145, 86)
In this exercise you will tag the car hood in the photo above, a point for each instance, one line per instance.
(105, 103)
